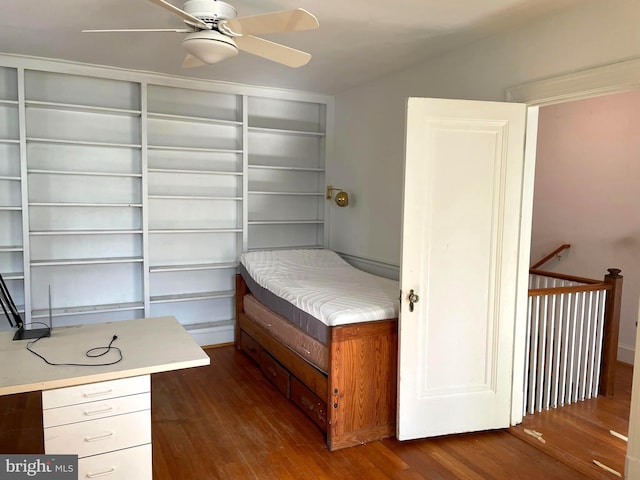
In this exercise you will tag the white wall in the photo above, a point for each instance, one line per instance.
(369, 145)
(586, 194)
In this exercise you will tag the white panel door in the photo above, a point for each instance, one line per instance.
(460, 246)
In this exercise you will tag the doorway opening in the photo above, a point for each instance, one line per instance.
(586, 176)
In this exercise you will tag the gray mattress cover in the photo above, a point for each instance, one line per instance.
(307, 323)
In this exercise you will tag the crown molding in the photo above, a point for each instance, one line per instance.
(591, 82)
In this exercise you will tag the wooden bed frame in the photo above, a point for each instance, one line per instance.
(355, 402)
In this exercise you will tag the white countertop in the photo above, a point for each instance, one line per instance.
(148, 345)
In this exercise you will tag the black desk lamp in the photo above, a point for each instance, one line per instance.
(11, 312)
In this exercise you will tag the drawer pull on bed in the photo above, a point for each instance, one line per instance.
(99, 437)
(97, 394)
(89, 413)
(101, 474)
(307, 403)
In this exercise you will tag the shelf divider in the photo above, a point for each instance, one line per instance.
(189, 297)
(84, 261)
(193, 267)
(80, 108)
(87, 309)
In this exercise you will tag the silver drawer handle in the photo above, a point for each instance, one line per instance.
(101, 474)
(99, 437)
(97, 394)
(89, 413)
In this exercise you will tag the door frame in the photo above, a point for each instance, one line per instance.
(592, 82)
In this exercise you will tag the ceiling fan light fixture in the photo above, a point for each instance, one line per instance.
(210, 46)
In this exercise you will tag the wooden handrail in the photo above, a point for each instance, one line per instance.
(536, 292)
(550, 256)
(562, 276)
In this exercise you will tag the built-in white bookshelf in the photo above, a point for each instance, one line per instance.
(286, 142)
(128, 194)
(84, 175)
(195, 179)
(11, 243)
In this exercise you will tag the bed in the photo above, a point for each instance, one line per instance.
(325, 334)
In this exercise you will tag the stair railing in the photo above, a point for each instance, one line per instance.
(572, 324)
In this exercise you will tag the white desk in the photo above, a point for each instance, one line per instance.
(101, 413)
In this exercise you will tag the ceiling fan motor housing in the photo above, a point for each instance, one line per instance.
(210, 11)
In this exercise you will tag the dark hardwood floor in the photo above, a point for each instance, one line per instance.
(225, 421)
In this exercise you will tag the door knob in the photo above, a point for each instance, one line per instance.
(413, 298)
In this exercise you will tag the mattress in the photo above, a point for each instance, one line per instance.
(305, 322)
(322, 285)
(309, 348)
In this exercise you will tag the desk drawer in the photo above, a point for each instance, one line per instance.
(129, 464)
(83, 412)
(91, 392)
(99, 436)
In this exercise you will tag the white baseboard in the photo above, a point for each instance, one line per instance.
(631, 468)
(626, 354)
(209, 334)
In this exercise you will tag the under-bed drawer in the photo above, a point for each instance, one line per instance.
(250, 346)
(275, 372)
(312, 405)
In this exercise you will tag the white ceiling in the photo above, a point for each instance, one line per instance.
(357, 40)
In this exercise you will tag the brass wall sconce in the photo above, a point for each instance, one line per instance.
(341, 199)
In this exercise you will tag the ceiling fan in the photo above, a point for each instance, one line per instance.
(215, 32)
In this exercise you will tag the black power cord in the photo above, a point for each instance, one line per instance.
(91, 353)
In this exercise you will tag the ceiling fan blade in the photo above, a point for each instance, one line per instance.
(191, 61)
(273, 51)
(285, 21)
(173, 30)
(190, 19)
